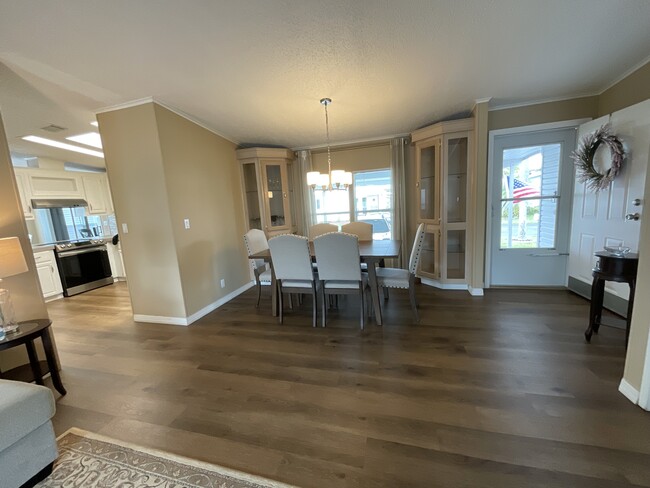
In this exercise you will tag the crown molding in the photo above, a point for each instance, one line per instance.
(627, 73)
(179, 112)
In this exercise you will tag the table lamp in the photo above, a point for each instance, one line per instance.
(12, 262)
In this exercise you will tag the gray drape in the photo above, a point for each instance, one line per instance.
(399, 154)
(303, 161)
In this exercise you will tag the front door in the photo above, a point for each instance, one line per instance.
(531, 208)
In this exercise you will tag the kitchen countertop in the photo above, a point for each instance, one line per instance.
(43, 247)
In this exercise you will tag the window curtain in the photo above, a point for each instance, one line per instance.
(303, 161)
(399, 151)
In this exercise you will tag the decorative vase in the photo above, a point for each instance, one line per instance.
(7, 315)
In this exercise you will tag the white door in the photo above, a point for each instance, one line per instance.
(531, 208)
(599, 218)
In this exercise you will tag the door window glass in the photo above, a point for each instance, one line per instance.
(529, 196)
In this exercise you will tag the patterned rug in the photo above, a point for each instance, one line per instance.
(89, 460)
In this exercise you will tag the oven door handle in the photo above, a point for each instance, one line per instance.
(65, 254)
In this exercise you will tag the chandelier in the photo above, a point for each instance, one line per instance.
(332, 180)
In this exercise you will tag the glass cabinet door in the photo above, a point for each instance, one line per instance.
(456, 179)
(456, 254)
(293, 204)
(428, 182)
(252, 196)
(430, 254)
(275, 184)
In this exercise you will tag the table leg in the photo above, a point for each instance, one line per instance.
(51, 363)
(274, 293)
(596, 306)
(374, 289)
(33, 362)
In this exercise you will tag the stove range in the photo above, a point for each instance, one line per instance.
(83, 265)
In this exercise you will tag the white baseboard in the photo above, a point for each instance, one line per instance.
(54, 297)
(215, 305)
(159, 319)
(629, 391)
(475, 292)
(444, 286)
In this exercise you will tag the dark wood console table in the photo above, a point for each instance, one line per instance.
(621, 269)
(27, 332)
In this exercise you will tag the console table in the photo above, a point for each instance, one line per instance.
(621, 269)
(26, 333)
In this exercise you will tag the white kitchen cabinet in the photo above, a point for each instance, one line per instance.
(48, 275)
(116, 261)
(97, 194)
(25, 195)
(54, 184)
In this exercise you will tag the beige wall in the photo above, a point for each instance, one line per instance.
(372, 156)
(137, 181)
(542, 113)
(632, 89)
(202, 182)
(162, 169)
(25, 288)
(479, 189)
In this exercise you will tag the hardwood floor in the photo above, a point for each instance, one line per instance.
(498, 391)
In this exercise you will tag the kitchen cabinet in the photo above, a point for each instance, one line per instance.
(268, 186)
(25, 195)
(48, 275)
(54, 184)
(97, 193)
(116, 261)
(443, 155)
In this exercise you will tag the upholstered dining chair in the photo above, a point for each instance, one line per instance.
(339, 270)
(404, 278)
(320, 229)
(363, 230)
(255, 241)
(293, 271)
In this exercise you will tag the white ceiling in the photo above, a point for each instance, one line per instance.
(254, 71)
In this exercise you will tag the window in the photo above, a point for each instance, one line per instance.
(369, 200)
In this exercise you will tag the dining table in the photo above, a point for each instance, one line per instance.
(373, 253)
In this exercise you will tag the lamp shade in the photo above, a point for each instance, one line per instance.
(12, 259)
(312, 178)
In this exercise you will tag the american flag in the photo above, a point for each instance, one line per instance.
(521, 190)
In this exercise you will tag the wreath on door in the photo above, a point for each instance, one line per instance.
(583, 158)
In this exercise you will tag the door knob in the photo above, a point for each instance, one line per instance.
(634, 216)
(636, 202)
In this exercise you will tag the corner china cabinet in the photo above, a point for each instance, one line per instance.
(268, 184)
(443, 153)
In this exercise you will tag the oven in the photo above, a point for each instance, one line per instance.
(83, 266)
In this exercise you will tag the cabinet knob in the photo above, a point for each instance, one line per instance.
(417, 184)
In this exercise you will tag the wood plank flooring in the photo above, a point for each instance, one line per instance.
(494, 391)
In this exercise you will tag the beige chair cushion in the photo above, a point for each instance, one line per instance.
(393, 277)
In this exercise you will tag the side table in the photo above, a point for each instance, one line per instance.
(27, 332)
(621, 269)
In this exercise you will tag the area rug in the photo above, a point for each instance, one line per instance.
(88, 460)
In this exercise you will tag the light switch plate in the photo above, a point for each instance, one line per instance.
(186, 223)
(125, 228)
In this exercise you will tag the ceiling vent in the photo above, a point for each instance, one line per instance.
(53, 128)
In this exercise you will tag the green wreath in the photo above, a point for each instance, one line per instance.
(583, 158)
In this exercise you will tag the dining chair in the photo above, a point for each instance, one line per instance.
(255, 241)
(339, 270)
(293, 271)
(363, 230)
(404, 278)
(320, 229)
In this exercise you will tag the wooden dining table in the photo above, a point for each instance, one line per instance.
(372, 253)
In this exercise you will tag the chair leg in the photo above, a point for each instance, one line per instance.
(414, 303)
(259, 294)
(314, 312)
(290, 301)
(385, 293)
(281, 306)
(363, 308)
(322, 288)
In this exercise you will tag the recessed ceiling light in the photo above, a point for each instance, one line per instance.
(89, 139)
(63, 145)
(95, 123)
